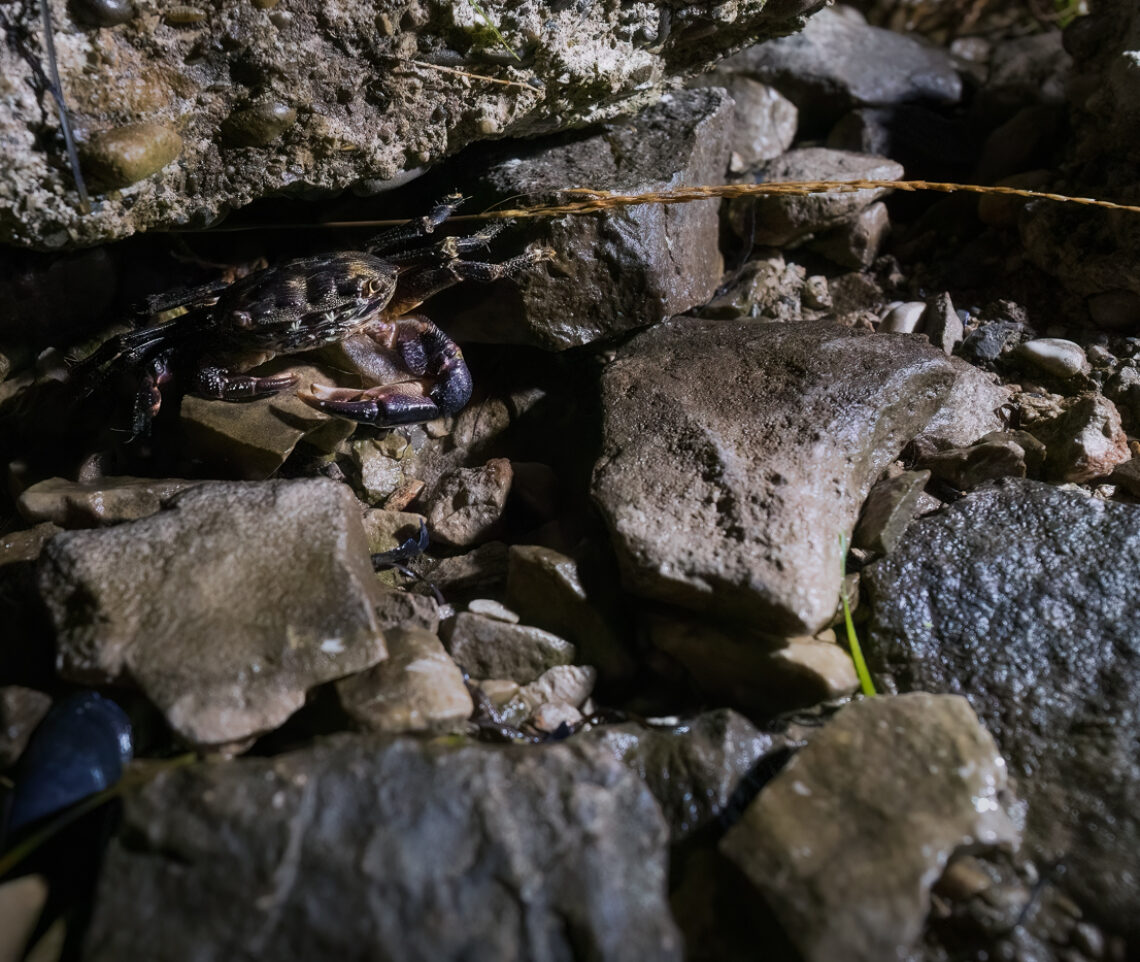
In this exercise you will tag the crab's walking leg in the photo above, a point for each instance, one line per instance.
(218, 382)
(418, 285)
(415, 229)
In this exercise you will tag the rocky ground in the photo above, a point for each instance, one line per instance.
(606, 707)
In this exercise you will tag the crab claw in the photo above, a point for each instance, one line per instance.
(387, 406)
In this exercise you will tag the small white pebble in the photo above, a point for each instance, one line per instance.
(489, 608)
(903, 319)
(1055, 356)
(548, 717)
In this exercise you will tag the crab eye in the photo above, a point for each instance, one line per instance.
(375, 285)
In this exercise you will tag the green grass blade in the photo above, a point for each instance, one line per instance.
(865, 683)
(495, 30)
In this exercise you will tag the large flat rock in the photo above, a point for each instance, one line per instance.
(1025, 599)
(365, 848)
(224, 609)
(736, 453)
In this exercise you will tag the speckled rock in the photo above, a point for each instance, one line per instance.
(1002, 454)
(107, 501)
(693, 768)
(735, 454)
(667, 257)
(294, 858)
(194, 606)
(379, 91)
(561, 685)
(418, 688)
(1023, 598)
(1083, 436)
(486, 648)
(469, 502)
(846, 854)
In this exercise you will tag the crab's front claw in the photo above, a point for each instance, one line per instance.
(386, 407)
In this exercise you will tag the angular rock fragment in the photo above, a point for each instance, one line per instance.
(890, 506)
(469, 502)
(736, 454)
(107, 501)
(224, 609)
(846, 842)
(1083, 436)
(486, 648)
(1023, 598)
(367, 847)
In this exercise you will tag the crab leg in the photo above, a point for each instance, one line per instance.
(217, 382)
(418, 285)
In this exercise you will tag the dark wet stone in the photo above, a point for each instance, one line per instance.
(735, 454)
(1024, 598)
(1003, 454)
(695, 768)
(846, 842)
(991, 340)
(364, 847)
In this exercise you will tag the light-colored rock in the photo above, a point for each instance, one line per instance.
(765, 120)
(940, 322)
(469, 503)
(553, 715)
(108, 501)
(488, 648)
(846, 854)
(496, 610)
(22, 900)
(418, 688)
(902, 318)
(223, 609)
(21, 710)
(1083, 436)
(1054, 355)
(562, 684)
(823, 664)
(972, 407)
(386, 530)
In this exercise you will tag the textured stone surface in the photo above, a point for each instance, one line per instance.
(224, 609)
(365, 848)
(245, 101)
(735, 454)
(469, 502)
(1083, 435)
(21, 710)
(667, 257)
(890, 506)
(107, 501)
(486, 648)
(1024, 598)
(418, 687)
(692, 769)
(846, 842)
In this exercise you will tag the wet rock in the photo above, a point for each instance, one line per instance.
(891, 505)
(224, 609)
(753, 673)
(546, 588)
(418, 688)
(107, 501)
(693, 769)
(667, 257)
(846, 855)
(125, 155)
(992, 340)
(21, 710)
(777, 220)
(360, 120)
(1053, 355)
(838, 62)
(1082, 435)
(511, 841)
(80, 748)
(856, 245)
(486, 648)
(941, 323)
(1002, 454)
(735, 454)
(1022, 597)
(469, 502)
(972, 408)
(560, 685)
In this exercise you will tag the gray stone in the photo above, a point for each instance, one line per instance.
(735, 455)
(971, 409)
(546, 588)
(779, 219)
(1023, 598)
(370, 847)
(856, 245)
(903, 318)
(764, 119)
(767, 287)
(694, 768)
(486, 648)
(107, 501)
(1054, 355)
(837, 62)
(402, 609)
(941, 323)
(469, 502)
(992, 340)
(311, 102)
(1083, 436)
(891, 505)
(667, 257)
(21, 710)
(224, 609)
(1033, 68)
(1002, 454)
(846, 854)
(418, 688)
(489, 608)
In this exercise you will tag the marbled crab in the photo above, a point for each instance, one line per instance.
(229, 330)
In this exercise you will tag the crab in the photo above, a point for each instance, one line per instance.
(228, 331)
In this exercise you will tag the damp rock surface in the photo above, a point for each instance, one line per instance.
(224, 609)
(1023, 598)
(349, 847)
(736, 453)
(847, 841)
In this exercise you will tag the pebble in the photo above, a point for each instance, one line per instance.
(902, 318)
(489, 608)
(103, 13)
(551, 716)
(125, 155)
(469, 503)
(1054, 355)
(258, 125)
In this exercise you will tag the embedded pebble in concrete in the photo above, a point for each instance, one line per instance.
(846, 854)
(735, 454)
(1054, 355)
(489, 648)
(1023, 597)
(903, 318)
(418, 688)
(371, 847)
(194, 606)
(107, 501)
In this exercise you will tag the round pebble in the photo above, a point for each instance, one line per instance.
(103, 13)
(489, 608)
(125, 155)
(258, 125)
(1054, 355)
(902, 318)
